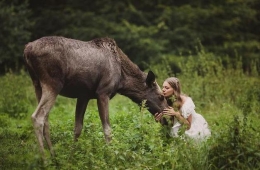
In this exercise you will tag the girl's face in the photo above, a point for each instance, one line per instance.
(167, 89)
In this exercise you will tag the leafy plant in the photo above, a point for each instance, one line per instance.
(235, 148)
(226, 96)
(15, 99)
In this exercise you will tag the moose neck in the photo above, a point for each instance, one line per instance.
(132, 81)
(133, 88)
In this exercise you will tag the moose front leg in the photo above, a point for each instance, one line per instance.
(103, 103)
(79, 116)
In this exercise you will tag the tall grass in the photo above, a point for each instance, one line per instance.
(226, 96)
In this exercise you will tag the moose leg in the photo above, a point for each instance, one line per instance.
(102, 102)
(40, 118)
(46, 134)
(38, 90)
(36, 84)
(79, 115)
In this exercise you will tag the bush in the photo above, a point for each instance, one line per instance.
(224, 95)
(237, 147)
(16, 96)
(250, 101)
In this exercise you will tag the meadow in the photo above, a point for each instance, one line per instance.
(223, 93)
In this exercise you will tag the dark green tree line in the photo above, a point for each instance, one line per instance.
(145, 30)
(14, 32)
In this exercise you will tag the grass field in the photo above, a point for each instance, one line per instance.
(228, 98)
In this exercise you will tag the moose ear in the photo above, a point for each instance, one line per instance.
(150, 79)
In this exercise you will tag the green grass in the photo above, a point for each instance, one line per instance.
(228, 98)
(138, 141)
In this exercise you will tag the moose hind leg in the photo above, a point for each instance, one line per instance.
(46, 134)
(38, 89)
(40, 118)
(79, 116)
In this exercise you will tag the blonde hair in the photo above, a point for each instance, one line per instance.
(175, 84)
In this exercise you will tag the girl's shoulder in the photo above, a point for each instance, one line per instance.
(187, 102)
(185, 98)
(187, 108)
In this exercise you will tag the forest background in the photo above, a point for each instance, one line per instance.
(213, 47)
(146, 30)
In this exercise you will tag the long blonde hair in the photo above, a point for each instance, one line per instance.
(175, 84)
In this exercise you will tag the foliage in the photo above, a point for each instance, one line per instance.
(249, 103)
(14, 33)
(221, 94)
(144, 30)
(234, 148)
(15, 99)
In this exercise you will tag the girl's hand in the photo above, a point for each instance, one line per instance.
(170, 112)
(158, 116)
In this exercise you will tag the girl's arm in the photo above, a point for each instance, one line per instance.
(183, 120)
(171, 112)
(159, 118)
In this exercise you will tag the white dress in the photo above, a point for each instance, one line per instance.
(199, 127)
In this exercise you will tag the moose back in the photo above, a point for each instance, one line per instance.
(96, 69)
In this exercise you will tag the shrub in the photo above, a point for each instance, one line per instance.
(227, 97)
(237, 147)
(15, 94)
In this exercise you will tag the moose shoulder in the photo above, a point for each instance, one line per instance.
(96, 69)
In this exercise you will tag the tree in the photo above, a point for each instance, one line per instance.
(14, 32)
(145, 30)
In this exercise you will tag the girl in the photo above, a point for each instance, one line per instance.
(197, 126)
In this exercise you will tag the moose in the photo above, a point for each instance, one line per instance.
(85, 70)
